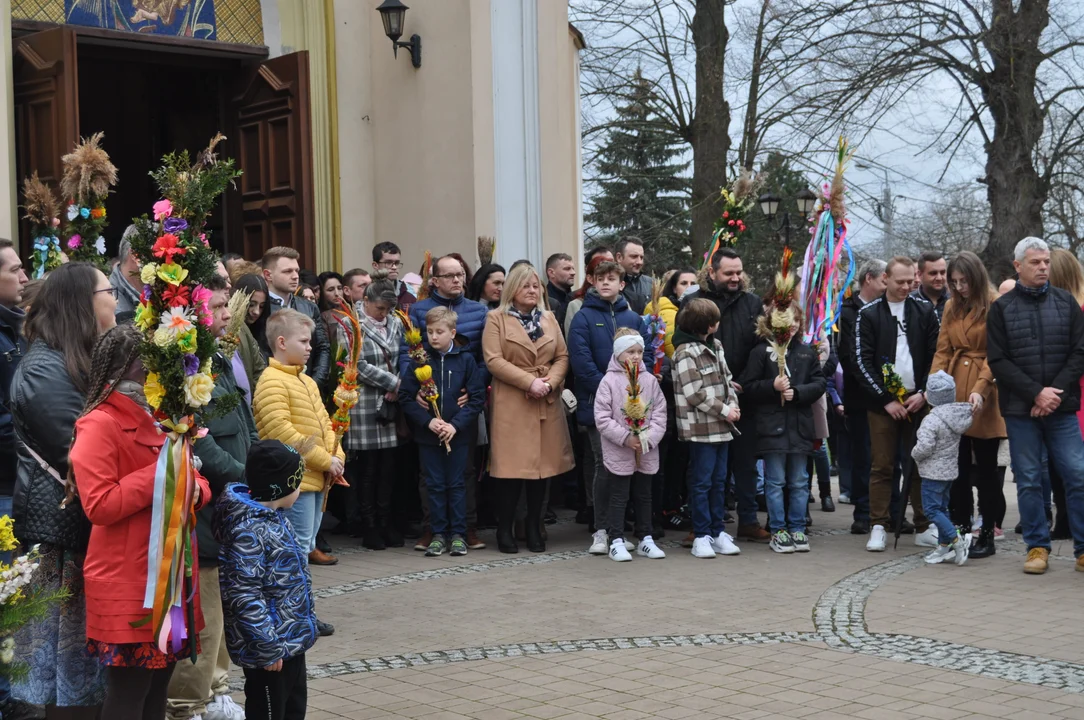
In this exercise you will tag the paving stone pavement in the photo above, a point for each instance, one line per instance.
(837, 633)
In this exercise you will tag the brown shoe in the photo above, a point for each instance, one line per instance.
(1037, 561)
(319, 557)
(472, 540)
(688, 541)
(1080, 564)
(753, 532)
(423, 542)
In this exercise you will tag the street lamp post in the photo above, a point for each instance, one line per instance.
(806, 200)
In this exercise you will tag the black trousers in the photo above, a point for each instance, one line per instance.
(281, 695)
(371, 474)
(133, 693)
(988, 480)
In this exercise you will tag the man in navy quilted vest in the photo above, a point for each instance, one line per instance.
(1035, 348)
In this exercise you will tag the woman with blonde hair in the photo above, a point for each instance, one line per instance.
(525, 352)
(961, 352)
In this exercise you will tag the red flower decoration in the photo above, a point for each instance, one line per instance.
(166, 247)
(176, 295)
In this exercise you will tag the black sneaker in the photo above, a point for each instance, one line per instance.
(550, 518)
(324, 629)
(860, 527)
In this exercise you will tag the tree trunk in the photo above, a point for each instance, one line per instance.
(710, 131)
(1014, 188)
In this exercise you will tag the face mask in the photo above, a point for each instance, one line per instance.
(692, 288)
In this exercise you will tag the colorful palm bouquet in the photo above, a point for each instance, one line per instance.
(656, 328)
(422, 371)
(738, 201)
(42, 212)
(19, 603)
(88, 178)
(176, 260)
(345, 396)
(777, 324)
(635, 410)
(893, 382)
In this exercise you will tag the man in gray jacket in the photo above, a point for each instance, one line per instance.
(125, 276)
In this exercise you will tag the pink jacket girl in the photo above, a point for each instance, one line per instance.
(617, 456)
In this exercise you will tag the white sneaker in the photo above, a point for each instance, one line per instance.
(629, 545)
(928, 538)
(649, 549)
(938, 554)
(600, 543)
(962, 548)
(844, 498)
(702, 547)
(876, 539)
(618, 551)
(222, 707)
(724, 545)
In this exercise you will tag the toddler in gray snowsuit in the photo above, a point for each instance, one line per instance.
(937, 450)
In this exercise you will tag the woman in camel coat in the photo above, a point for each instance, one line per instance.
(961, 352)
(525, 352)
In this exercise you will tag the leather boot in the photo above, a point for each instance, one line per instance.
(984, 545)
(536, 493)
(507, 497)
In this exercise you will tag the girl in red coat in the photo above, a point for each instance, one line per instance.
(113, 459)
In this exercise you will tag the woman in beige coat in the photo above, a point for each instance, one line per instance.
(961, 352)
(526, 354)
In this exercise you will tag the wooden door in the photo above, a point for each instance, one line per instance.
(46, 108)
(274, 151)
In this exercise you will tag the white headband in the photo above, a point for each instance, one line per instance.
(625, 342)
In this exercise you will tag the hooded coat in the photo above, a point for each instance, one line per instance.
(267, 603)
(786, 427)
(937, 442)
(614, 430)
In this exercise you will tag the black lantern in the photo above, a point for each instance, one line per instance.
(769, 204)
(807, 200)
(392, 14)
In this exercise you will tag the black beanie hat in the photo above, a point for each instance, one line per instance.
(273, 470)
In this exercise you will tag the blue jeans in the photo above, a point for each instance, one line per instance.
(707, 486)
(935, 503)
(447, 489)
(1060, 435)
(305, 518)
(861, 461)
(786, 470)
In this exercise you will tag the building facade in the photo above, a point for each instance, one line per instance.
(342, 143)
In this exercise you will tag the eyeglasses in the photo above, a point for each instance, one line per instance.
(391, 263)
(452, 276)
(111, 290)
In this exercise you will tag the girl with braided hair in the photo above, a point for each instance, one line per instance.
(114, 457)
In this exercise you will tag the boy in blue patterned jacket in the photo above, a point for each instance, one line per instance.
(267, 602)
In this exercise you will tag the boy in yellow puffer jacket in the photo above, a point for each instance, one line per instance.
(287, 407)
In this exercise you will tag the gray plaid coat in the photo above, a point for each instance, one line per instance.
(378, 366)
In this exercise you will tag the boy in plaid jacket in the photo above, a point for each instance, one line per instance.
(706, 406)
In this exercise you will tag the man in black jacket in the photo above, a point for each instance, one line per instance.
(560, 277)
(280, 271)
(871, 279)
(1035, 348)
(898, 333)
(933, 281)
(629, 254)
(737, 333)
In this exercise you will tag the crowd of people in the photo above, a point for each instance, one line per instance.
(925, 388)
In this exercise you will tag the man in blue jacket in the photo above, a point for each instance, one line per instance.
(449, 280)
(590, 347)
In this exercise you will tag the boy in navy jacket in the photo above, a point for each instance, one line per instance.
(443, 442)
(590, 347)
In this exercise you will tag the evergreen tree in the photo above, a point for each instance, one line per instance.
(643, 190)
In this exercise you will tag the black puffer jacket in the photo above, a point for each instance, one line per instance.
(1033, 341)
(875, 345)
(783, 428)
(45, 405)
(738, 325)
(12, 349)
(851, 391)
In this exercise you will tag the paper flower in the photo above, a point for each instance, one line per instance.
(56, 222)
(176, 295)
(153, 390)
(175, 225)
(167, 246)
(73, 212)
(75, 241)
(203, 239)
(187, 342)
(99, 245)
(198, 389)
(145, 317)
(84, 213)
(172, 273)
(98, 212)
(191, 364)
(162, 210)
(163, 338)
(148, 273)
(423, 373)
(176, 321)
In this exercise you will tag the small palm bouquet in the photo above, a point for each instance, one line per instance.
(18, 604)
(42, 211)
(893, 382)
(635, 410)
(345, 396)
(777, 325)
(231, 339)
(424, 374)
(656, 328)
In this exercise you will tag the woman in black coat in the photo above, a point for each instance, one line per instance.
(784, 424)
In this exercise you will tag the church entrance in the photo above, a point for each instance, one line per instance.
(151, 98)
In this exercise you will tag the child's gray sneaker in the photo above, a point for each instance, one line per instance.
(801, 542)
(939, 554)
(781, 542)
(459, 546)
(962, 547)
(436, 546)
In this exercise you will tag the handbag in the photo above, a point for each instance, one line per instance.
(45, 517)
(390, 412)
